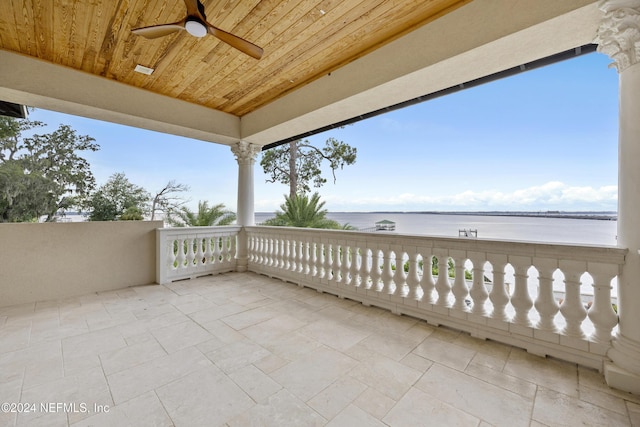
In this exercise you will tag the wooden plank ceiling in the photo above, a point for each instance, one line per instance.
(302, 40)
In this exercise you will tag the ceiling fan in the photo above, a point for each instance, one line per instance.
(196, 24)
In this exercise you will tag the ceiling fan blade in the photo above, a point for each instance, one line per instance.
(195, 8)
(155, 31)
(234, 41)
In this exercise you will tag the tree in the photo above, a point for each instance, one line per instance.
(298, 163)
(118, 199)
(166, 200)
(44, 173)
(302, 211)
(206, 216)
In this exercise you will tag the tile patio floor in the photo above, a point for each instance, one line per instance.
(241, 349)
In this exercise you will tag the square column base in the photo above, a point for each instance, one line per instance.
(621, 379)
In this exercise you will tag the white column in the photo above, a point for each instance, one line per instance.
(245, 154)
(619, 37)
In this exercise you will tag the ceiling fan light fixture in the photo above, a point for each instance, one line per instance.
(195, 27)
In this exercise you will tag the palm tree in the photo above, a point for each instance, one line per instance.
(206, 216)
(302, 211)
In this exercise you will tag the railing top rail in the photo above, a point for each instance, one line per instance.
(589, 253)
(199, 230)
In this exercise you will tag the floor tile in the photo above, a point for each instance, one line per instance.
(243, 349)
(203, 397)
(258, 385)
(247, 318)
(354, 416)
(485, 401)
(386, 375)
(417, 405)
(308, 375)
(374, 402)
(88, 388)
(182, 335)
(446, 353)
(334, 334)
(142, 411)
(513, 384)
(131, 355)
(555, 408)
(554, 374)
(335, 398)
(237, 355)
(140, 379)
(283, 409)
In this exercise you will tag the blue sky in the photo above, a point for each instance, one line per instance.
(542, 140)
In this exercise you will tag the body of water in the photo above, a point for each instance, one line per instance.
(500, 227)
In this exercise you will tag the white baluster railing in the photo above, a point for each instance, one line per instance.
(191, 252)
(529, 313)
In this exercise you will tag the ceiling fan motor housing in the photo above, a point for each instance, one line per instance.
(195, 27)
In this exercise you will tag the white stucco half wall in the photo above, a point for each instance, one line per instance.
(40, 262)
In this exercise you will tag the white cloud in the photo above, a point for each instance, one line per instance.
(552, 195)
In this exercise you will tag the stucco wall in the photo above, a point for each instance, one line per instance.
(50, 261)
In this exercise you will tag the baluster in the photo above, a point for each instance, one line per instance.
(268, 248)
(443, 286)
(293, 254)
(261, 250)
(217, 250)
(232, 247)
(601, 312)
(478, 291)
(285, 249)
(303, 257)
(191, 256)
(321, 262)
(387, 272)
(427, 283)
(314, 271)
(227, 246)
(375, 272)
(399, 278)
(365, 268)
(337, 262)
(199, 252)
(413, 279)
(279, 252)
(346, 265)
(498, 296)
(459, 289)
(354, 252)
(546, 304)
(328, 261)
(265, 251)
(521, 300)
(276, 252)
(172, 254)
(572, 308)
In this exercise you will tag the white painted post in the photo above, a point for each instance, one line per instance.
(619, 37)
(245, 154)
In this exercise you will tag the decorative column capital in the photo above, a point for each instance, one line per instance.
(619, 32)
(245, 152)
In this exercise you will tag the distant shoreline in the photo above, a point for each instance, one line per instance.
(596, 215)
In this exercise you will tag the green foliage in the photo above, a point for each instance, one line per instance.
(117, 198)
(302, 211)
(298, 164)
(41, 174)
(206, 216)
(132, 213)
